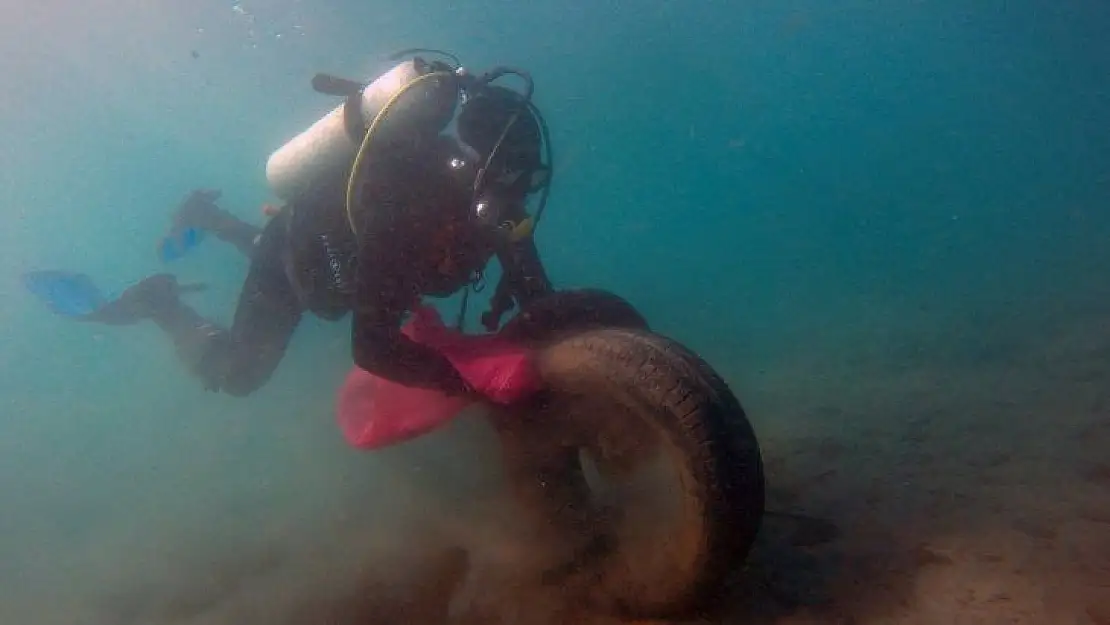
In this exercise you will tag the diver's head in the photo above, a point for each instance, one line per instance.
(517, 160)
(500, 126)
(484, 116)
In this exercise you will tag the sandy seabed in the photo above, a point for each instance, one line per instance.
(966, 468)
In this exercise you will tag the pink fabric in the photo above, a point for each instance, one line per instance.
(374, 412)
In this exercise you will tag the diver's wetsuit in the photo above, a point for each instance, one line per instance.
(416, 240)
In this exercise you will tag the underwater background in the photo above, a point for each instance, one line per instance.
(885, 223)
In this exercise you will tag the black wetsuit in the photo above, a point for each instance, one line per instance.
(416, 238)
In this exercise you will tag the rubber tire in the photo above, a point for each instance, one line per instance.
(700, 420)
(565, 313)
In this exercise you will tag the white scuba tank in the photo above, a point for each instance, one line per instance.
(328, 148)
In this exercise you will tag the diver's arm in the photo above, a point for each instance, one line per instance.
(528, 276)
(523, 280)
(384, 291)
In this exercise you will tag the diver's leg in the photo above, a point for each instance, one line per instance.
(242, 359)
(199, 210)
(241, 234)
(158, 299)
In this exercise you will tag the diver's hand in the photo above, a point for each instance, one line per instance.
(491, 320)
(515, 382)
(500, 303)
(456, 386)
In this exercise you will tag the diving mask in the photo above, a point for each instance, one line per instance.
(503, 214)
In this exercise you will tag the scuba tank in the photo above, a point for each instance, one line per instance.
(328, 147)
(419, 99)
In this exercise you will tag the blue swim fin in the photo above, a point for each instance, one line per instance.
(65, 293)
(178, 244)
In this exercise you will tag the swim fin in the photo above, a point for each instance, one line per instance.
(178, 244)
(65, 293)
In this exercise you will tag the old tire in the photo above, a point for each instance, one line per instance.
(604, 383)
(565, 313)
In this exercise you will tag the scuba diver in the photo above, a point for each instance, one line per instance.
(383, 204)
